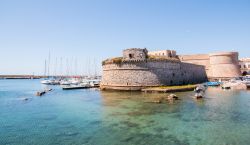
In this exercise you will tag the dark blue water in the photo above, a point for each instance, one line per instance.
(92, 117)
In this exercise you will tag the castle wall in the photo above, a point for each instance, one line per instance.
(167, 53)
(136, 75)
(199, 59)
(224, 65)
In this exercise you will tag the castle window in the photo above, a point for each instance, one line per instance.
(244, 66)
(249, 66)
(162, 53)
(173, 74)
(171, 82)
(130, 56)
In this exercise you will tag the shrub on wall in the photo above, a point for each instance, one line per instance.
(116, 60)
(162, 58)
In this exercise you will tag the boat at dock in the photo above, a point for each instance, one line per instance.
(247, 81)
(213, 84)
(50, 82)
(73, 87)
(199, 91)
(238, 83)
(46, 82)
(94, 83)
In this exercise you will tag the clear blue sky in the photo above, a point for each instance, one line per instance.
(97, 29)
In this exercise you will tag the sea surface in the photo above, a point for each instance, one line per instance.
(93, 117)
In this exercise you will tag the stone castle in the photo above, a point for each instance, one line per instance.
(139, 68)
(219, 66)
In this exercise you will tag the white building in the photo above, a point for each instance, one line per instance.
(245, 65)
(166, 53)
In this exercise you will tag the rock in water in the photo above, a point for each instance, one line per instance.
(172, 97)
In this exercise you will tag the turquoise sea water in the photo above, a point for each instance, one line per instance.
(93, 117)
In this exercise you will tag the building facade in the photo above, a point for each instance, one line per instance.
(166, 53)
(245, 66)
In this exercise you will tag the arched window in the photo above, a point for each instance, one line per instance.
(244, 73)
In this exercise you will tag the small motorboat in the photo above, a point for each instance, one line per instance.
(50, 82)
(73, 87)
(46, 82)
(236, 83)
(94, 83)
(247, 81)
(65, 82)
(199, 91)
(213, 84)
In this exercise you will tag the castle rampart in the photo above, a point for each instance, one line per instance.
(223, 65)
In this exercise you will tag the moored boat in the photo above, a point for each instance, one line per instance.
(235, 83)
(213, 84)
(199, 91)
(73, 87)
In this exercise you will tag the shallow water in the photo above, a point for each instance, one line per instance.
(92, 117)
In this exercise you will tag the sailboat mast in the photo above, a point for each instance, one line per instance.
(55, 71)
(61, 67)
(45, 68)
(95, 67)
(49, 65)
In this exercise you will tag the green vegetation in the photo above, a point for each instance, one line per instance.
(116, 60)
(176, 87)
(119, 60)
(170, 88)
(153, 57)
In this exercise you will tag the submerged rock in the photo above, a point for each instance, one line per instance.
(71, 133)
(25, 99)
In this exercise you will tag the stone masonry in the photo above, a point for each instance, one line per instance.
(136, 71)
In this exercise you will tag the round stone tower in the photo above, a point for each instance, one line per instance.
(224, 65)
